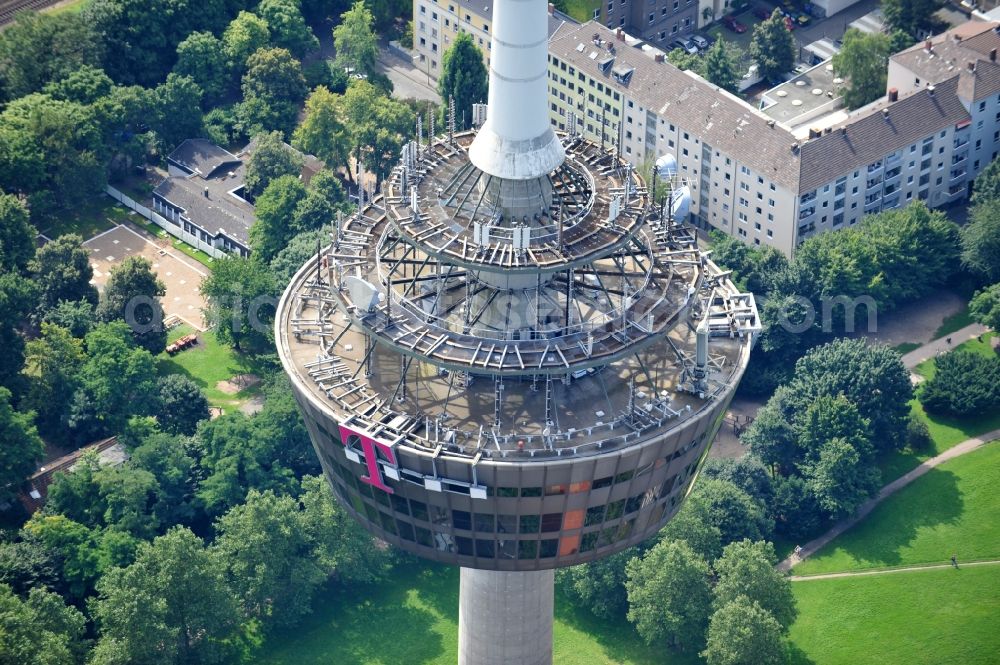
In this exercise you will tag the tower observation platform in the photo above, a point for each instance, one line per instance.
(513, 359)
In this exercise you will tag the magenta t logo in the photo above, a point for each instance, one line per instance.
(370, 448)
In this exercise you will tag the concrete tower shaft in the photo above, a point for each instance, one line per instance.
(517, 141)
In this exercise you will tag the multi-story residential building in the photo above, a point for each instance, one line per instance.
(739, 164)
(799, 166)
(967, 52)
(658, 21)
(436, 23)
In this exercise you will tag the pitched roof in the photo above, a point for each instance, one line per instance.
(209, 204)
(201, 156)
(867, 138)
(951, 52)
(720, 119)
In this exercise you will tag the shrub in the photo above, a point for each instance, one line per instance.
(965, 384)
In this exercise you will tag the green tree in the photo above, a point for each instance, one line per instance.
(178, 103)
(21, 449)
(379, 126)
(354, 41)
(171, 606)
(52, 363)
(871, 377)
(17, 295)
(83, 86)
(296, 252)
(181, 404)
(74, 547)
(773, 47)
(288, 27)
(463, 77)
(964, 384)
(117, 381)
(40, 630)
(76, 316)
(797, 513)
(273, 74)
(26, 564)
(322, 132)
(841, 479)
(175, 470)
(235, 459)
(244, 36)
(684, 61)
(743, 633)
(17, 237)
(39, 48)
(274, 209)
(313, 212)
(864, 61)
(693, 524)
(599, 585)
(722, 66)
(202, 57)
(132, 294)
(269, 558)
(62, 271)
(343, 548)
(271, 159)
(912, 16)
(981, 239)
(669, 597)
(55, 152)
(747, 569)
(736, 514)
(746, 472)
(236, 290)
(987, 183)
(985, 306)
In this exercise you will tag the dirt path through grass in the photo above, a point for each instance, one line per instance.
(859, 573)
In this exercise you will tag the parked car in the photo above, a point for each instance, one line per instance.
(762, 12)
(731, 23)
(685, 45)
(803, 19)
(700, 41)
(789, 23)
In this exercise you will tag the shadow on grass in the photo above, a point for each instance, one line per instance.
(365, 625)
(797, 656)
(893, 525)
(617, 638)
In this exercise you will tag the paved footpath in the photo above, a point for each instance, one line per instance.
(962, 448)
(861, 573)
(938, 346)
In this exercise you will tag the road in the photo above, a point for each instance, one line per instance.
(407, 80)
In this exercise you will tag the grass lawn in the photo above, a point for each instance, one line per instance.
(412, 618)
(71, 7)
(945, 431)
(94, 216)
(207, 363)
(951, 510)
(928, 617)
(582, 10)
(954, 323)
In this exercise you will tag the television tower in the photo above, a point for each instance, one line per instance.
(512, 360)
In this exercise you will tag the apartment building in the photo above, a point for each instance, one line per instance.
(802, 164)
(436, 23)
(738, 163)
(657, 21)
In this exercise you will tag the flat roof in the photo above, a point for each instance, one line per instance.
(810, 95)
